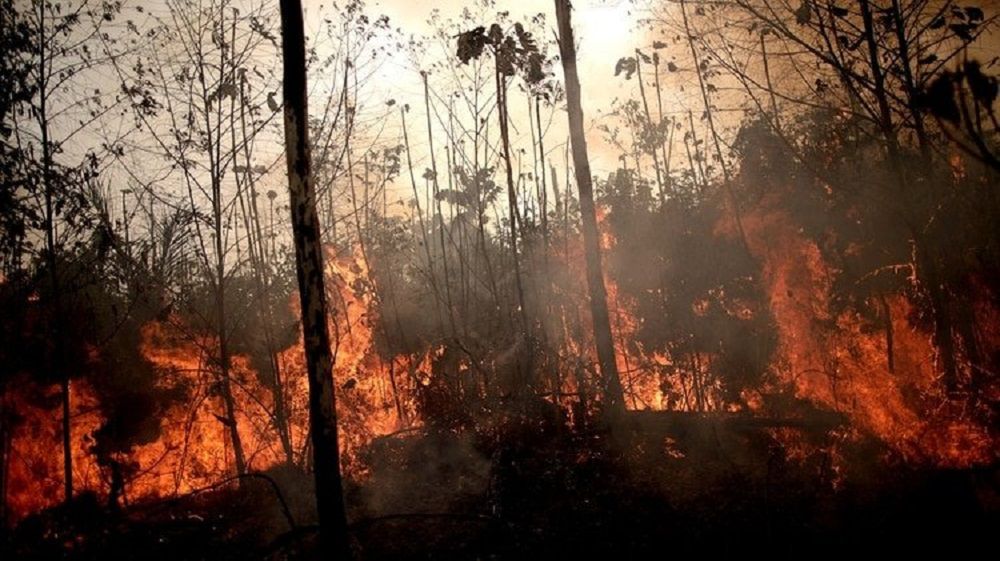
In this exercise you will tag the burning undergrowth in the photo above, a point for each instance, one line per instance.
(710, 335)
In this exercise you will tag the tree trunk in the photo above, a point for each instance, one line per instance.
(440, 215)
(423, 225)
(525, 367)
(309, 268)
(613, 395)
(666, 153)
(257, 247)
(501, 85)
(225, 360)
(770, 87)
(541, 177)
(649, 123)
(878, 80)
(903, 42)
(890, 361)
(727, 182)
(50, 257)
(696, 158)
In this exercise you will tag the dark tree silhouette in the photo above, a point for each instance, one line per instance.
(613, 395)
(309, 268)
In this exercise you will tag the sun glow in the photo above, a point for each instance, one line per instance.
(605, 32)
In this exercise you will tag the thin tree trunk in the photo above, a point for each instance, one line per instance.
(649, 123)
(878, 80)
(613, 395)
(694, 170)
(372, 278)
(440, 215)
(214, 149)
(501, 84)
(525, 366)
(911, 88)
(309, 268)
(890, 361)
(727, 183)
(50, 257)
(423, 226)
(254, 231)
(926, 264)
(770, 86)
(695, 158)
(225, 385)
(665, 152)
(541, 177)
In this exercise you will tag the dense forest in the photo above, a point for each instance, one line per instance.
(299, 282)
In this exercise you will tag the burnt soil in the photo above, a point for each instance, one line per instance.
(534, 491)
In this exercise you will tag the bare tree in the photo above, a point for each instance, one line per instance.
(312, 292)
(190, 97)
(613, 394)
(58, 56)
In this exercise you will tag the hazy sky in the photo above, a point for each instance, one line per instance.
(605, 32)
(603, 28)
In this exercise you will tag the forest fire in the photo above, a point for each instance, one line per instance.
(307, 286)
(379, 397)
(836, 360)
(34, 480)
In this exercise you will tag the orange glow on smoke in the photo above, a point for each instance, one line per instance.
(833, 360)
(35, 463)
(194, 450)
